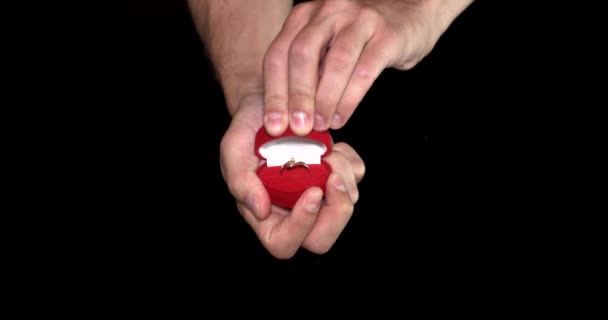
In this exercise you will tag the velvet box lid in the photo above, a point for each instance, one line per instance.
(286, 185)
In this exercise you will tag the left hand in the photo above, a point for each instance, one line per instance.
(329, 53)
(312, 224)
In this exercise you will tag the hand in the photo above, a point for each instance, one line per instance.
(312, 224)
(329, 53)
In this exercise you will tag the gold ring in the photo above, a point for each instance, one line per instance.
(293, 164)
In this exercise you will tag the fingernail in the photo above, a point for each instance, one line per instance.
(313, 203)
(319, 122)
(274, 122)
(252, 204)
(336, 122)
(299, 119)
(338, 182)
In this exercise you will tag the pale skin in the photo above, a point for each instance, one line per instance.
(329, 53)
(307, 67)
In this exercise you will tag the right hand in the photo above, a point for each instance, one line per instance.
(329, 53)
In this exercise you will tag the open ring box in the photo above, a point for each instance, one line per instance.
(286, 186)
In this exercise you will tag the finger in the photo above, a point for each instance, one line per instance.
(353, 157)
(276, 67)
(261, 226)
(339, 163)
(239, 165)
(247, 188)
(304, 57)
(372, 61)
(249, 216)
(338, 65)
(287, 236)
(333, 217)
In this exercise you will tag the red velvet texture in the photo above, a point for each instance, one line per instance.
(285, 188)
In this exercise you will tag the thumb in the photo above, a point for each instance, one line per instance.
(247, 189)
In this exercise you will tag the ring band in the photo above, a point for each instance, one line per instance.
(293, 164)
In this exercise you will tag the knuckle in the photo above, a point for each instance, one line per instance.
(359, 168)
(341, 147)
(410, 64)
(273, 60)
(275, 103)
(347, 208)
(320, 247)
(340, 60)
(278, 249)
(330, 6)
(325, 105)
(367, 14)
(281, 253)
(336, 159)
(301, 99)
(347, 106)
(364, 73)
(300, 10)
(354, 196)
(232, 182)
(301, 51)
(413, 55)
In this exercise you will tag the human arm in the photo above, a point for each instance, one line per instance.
(236, 35)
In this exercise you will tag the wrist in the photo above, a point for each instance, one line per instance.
(237, 88)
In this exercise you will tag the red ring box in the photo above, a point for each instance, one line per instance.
(286, 187)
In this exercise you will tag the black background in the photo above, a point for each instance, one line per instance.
(471, 127)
